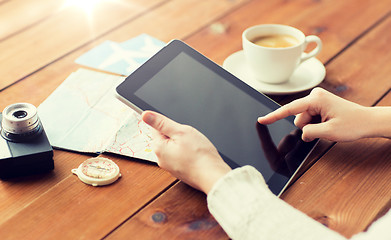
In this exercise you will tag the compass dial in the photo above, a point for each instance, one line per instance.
(97, 171)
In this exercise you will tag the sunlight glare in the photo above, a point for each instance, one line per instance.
(86, 5)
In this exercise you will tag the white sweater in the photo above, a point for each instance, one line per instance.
(246, 209)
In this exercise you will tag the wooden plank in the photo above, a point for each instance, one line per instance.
(53, 72)
(18, 15)
(48, 40)
(352, 168)
(19, 193)
(385, 101)
(327, 19)
(335, 38)
(359, 73)
(325, 22)
(41, 84)
(44, 47)
(340, 71)
(172, 26)
(74, 210)
(347, 188)
(362, 168)
(175, 22)
(350, 214)
(167, 218)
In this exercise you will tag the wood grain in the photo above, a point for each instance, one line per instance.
(61, 33)
(17, 194)
(38, 49)
(18, 15)
(359, 74)
(327, 19)
(335, 191)
(333, 210)
(51, 75)
(50, 192)
(362, 168)
(180, 213)
(74, 210)
(352, 167)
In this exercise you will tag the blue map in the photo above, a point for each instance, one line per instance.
(121, 58)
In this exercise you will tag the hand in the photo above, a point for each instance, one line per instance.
(185, 152)
(341, 120)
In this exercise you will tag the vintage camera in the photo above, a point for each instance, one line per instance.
(24, 147)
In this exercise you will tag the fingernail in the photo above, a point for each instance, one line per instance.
(149, 118)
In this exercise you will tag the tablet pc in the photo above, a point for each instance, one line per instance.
(187, 87)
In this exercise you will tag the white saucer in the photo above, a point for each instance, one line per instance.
(308, 75)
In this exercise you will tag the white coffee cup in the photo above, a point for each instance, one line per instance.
(276, 64)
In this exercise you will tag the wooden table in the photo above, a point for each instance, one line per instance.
(345, 186)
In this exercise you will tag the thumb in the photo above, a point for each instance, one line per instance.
(161, 123)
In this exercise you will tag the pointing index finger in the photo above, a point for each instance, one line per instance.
(293, 108)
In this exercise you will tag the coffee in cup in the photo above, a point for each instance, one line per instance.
(276, 41)
(274, 51)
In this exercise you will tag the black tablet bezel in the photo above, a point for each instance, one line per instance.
(126, 90)
(169, 52)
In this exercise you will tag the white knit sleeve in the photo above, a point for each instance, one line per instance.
(246, 209)
(379, 230)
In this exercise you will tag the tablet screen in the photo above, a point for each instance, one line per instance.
(189, 92)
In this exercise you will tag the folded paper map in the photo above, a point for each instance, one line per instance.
(84, 115)
(121, 58)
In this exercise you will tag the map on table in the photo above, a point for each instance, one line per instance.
(121, 58)
(84, 115)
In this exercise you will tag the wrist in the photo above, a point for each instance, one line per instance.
(379, 121)
(212, 176)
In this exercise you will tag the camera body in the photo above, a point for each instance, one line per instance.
(24, 146)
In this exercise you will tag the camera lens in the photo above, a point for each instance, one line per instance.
(20, 114)
(20, 122)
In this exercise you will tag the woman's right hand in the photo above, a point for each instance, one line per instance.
(341, 120)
